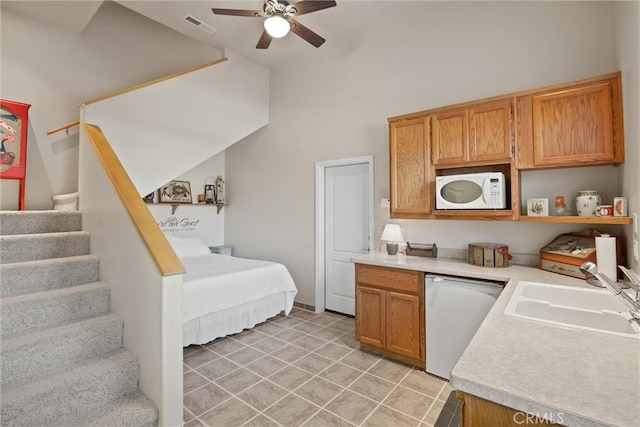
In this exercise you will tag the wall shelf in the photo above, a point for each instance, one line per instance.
(578, 219)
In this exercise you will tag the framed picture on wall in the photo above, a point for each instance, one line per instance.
(175, 192)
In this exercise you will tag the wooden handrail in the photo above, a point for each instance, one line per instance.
(163, 255)
(151, 82)
(63, 127)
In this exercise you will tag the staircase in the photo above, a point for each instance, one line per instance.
(62, 360)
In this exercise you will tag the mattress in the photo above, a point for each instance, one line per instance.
(224, 295)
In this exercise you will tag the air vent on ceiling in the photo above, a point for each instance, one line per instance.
(198, 23)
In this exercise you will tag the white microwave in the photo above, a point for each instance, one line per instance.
(485, 190)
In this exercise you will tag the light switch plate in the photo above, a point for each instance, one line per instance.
(635, 223)
(385, 203)
(635, 249)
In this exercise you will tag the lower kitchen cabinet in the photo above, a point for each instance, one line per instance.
(478, 412)
(390, 312)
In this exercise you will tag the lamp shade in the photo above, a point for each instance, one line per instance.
(392, 233)
(277, 26)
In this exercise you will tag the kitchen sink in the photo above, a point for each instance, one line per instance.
(582, 308)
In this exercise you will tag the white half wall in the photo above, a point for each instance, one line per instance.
(163, 130)
(149, 304)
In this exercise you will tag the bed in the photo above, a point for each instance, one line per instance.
(223, 295)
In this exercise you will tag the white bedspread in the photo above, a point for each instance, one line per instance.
(218, 282)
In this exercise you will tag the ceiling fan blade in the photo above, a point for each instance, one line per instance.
(235, 12)
(265, 40)
(306, 33)
(308, 6)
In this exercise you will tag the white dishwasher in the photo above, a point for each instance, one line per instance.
(455, 308)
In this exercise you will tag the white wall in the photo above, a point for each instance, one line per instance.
(334, 103)
(626, 36)
(53, 69)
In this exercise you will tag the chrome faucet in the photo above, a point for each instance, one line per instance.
(634, 280)
(612, 286)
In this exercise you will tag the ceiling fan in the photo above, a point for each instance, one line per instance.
(280, 19)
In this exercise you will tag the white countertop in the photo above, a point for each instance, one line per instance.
(571, 376)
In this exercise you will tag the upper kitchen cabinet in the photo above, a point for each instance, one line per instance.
(469, 134)
(409, 168)
(574, 124)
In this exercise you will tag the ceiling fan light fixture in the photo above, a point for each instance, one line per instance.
(277, 26)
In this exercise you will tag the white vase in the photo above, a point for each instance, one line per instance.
(587, 202)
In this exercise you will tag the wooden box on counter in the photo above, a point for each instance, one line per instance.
(566, 253)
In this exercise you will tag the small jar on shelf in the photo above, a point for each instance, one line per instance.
(560, 207)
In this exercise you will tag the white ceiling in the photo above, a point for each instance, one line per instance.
(239, 34)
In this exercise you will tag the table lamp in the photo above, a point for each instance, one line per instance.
(392, 234)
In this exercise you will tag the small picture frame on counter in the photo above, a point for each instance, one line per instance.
(537, 207)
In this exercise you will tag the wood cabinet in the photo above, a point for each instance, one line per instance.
(472, 134)
(578, 124)
(478, 412)
(410, 168)
(390, 312)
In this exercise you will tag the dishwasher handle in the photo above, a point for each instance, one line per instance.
(435, 278)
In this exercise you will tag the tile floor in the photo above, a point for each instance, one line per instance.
(304, 369)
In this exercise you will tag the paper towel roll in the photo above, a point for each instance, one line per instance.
(606, 256)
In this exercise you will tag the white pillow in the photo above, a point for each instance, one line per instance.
(186, 247)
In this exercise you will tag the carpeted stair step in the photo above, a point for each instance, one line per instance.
(31, 222)
(132, 410)
(31, 247)
(69, 397)
(47, 274)
(30, 354)
(28, 312)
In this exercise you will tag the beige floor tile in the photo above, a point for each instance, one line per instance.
(309, 342)
(385, 417)
(186, 415)
(290, 321)
(194, 423)
(348, 340)
(262, 395)
(352, 407)
(389, 370)
(269, 344)
(341, 374)
(360, 360)
(304, 314)
(238, 380)
(424, 383)
(290, 377)
(318, 391)
(231, 413)
(204, 398)
(260, 421)
(307, 327)
(324, 320)
(199, 358)
(446, 391)
(313, 363)
(291, 411)
(245, 355)
(326, 419)
(344, 325)
(226, 346)
(289, 353)
(266, 366)
(328, 333)
(408, 402)
(433, 413)
(250, 336)
(333, 351)
(270, 328)
(190, 349)
(192, 380)
(217, 368)
(372, 387)
(289, 335)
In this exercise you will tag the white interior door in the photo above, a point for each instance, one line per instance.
(347, 203)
